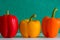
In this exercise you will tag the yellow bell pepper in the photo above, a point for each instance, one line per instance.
(30, 28)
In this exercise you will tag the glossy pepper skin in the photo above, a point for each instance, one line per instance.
(9, 26)
(30, 28)
(50, 26)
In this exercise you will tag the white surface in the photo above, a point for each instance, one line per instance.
(29, 38)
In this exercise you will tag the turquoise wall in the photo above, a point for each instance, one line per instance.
(25, 8)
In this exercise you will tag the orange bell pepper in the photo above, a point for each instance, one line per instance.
(50, 26)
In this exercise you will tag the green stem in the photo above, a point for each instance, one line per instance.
(33, 16)
(53, 13)
(7, 13)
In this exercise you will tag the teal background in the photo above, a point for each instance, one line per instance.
(23, 9)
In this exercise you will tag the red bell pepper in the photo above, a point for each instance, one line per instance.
(0, 23)
(9, 25)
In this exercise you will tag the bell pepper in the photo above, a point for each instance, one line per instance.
(50, 26)
(0, 23)
(30, 28)
(9, 26)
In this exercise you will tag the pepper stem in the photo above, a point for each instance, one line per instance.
(33, 16)
(7, 13)
(53, 13)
